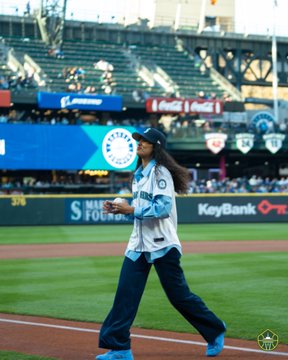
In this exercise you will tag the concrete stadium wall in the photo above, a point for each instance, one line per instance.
(87, 209)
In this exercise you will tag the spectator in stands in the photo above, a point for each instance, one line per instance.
(64, 121)
(3, 119)
(202, 95)
(55, 120)
(103, 65)
(56, 52)
(90, 90)
(79, 73)
(139, 95)
(226, 97)
(4, 85)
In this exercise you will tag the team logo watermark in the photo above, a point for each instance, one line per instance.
(244, 142)
(119, 148)
(273, 142)
(268, 340)
(215, 141)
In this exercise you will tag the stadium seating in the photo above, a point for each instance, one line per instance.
(83, 55)
(181, 68)
(177, 65)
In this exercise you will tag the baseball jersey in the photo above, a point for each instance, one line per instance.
(155, 220)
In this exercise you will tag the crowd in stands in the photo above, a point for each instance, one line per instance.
(254, 184)
(75, 79)
(17, 82)
(73, 76)
(49, 117)
(240, 185)
(178, 126)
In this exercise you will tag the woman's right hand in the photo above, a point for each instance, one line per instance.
(107, 207)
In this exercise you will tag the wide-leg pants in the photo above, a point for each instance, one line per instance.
(115, 331)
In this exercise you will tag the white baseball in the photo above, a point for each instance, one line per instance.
(118, 200)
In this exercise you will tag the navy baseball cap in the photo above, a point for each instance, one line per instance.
(152, 135)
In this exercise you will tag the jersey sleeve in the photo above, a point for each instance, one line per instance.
(162, 193)
(163, 182)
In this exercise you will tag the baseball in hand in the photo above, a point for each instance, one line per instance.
(118, 200)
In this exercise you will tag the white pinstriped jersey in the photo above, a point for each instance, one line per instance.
(155, 227)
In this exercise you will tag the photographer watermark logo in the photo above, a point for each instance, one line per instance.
(268, 340)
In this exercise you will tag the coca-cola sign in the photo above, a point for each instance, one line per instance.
(188, 106)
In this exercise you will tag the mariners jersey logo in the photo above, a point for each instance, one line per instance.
(119, 148)
(162, 184)
(245, 142)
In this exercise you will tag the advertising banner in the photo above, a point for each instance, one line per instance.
(233, 209)
(48, 100)
(5, 98)
(47, 147)
(31, 210)
(179, 105)
(89, 211)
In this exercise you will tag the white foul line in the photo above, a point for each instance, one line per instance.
(157, 338)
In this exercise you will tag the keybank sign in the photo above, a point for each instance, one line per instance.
(240, 208)
(89, 211)
(226, 209)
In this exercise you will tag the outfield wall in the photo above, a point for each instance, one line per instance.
(87, 209)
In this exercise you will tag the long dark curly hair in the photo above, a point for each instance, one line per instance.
(180, 174)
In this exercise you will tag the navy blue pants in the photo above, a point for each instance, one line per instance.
(115, 331)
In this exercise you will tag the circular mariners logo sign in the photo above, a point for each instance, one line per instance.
(119, 148)
(263, 122)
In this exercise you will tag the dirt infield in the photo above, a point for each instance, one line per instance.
(70, 340)
(114, 249)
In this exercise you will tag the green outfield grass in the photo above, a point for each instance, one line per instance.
(11, 355)
(120, 233)
(247, 290)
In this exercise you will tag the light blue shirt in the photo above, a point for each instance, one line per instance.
(151, 256)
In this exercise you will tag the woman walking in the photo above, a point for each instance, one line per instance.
(154, 241)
